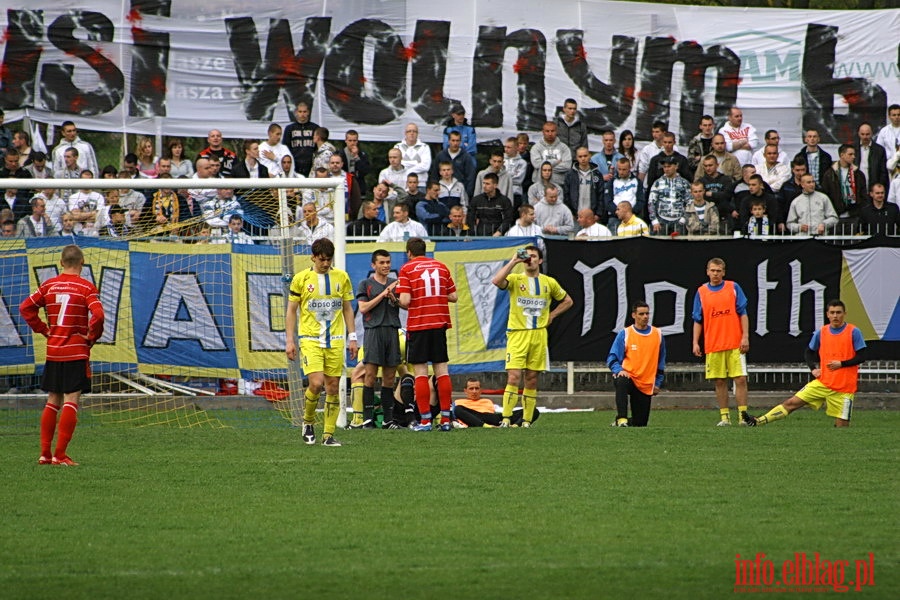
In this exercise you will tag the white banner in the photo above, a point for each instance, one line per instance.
(180, 67)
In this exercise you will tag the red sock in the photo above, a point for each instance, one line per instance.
(67, 421)
(48, 427)
(423, 397)
(445, 393)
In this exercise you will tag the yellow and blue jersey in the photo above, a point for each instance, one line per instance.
(321, 297)
(529, 300)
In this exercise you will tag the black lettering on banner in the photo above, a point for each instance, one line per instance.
(428, 54)
(605, 279)
(660, 55)
(345, 81)
(283, 69)
(149, 60)
(866, 101)
(487, 77)
(58, 90)
(616, 98)
(24, 30)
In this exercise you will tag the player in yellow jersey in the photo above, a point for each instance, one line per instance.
(530, 296)
(322, 295)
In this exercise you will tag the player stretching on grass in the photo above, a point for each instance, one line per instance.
(425, 289)
(74, 323)
(530, 295)
(637, 360)
(720, 314)
(323, 296)
(833, 355)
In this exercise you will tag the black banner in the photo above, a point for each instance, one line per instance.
(787, 284)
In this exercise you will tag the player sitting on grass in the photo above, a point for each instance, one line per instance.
(833, 356)
(74, 323)
(477, 411)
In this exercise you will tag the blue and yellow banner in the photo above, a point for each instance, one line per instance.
(212, 310)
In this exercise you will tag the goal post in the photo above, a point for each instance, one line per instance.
(192, 307)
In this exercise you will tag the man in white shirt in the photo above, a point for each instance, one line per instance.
(740, 138)
(395, 173)
(525, 225)
(889, 136)
(311, 228)
(85, 206)
(416, 155)
(647, 153)
(590, 228)
(87, 158)
(402, 227)
(772, 138)
(272, 151)
(773, 172)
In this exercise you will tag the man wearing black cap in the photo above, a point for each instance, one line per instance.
(457, 122)
(655, 171)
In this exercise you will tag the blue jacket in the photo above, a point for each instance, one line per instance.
(466, 131)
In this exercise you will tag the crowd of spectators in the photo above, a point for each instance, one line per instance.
(727, 181)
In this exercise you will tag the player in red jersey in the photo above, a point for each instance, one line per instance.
(75, 322)
(425, 288)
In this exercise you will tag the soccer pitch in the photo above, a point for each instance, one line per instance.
(568, 509)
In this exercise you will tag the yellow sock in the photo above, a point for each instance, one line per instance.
(356, 401)
(724, 413)
(529, 401)
(776, 414)
(309, 407)
(741, 409)
(332, 410)
(510, 399)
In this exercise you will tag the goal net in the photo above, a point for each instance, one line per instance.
(193, 276)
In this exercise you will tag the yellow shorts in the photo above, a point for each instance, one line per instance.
(726, 364)
(527, 349)
(837, 404)
(316, 359)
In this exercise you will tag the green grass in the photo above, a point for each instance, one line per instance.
(569, 509)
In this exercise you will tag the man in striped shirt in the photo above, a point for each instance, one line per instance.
(74, 323)
(425, 289)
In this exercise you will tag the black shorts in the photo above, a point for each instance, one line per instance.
(382, 347)
(66, 377)
(426, 346)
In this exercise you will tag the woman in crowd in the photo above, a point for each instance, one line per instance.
(180, 165)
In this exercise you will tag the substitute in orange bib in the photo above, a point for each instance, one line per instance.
(74, 323)
(637, 360)
(720, 314)
(833, 356)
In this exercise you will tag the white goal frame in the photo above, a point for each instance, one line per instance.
(335, 184)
